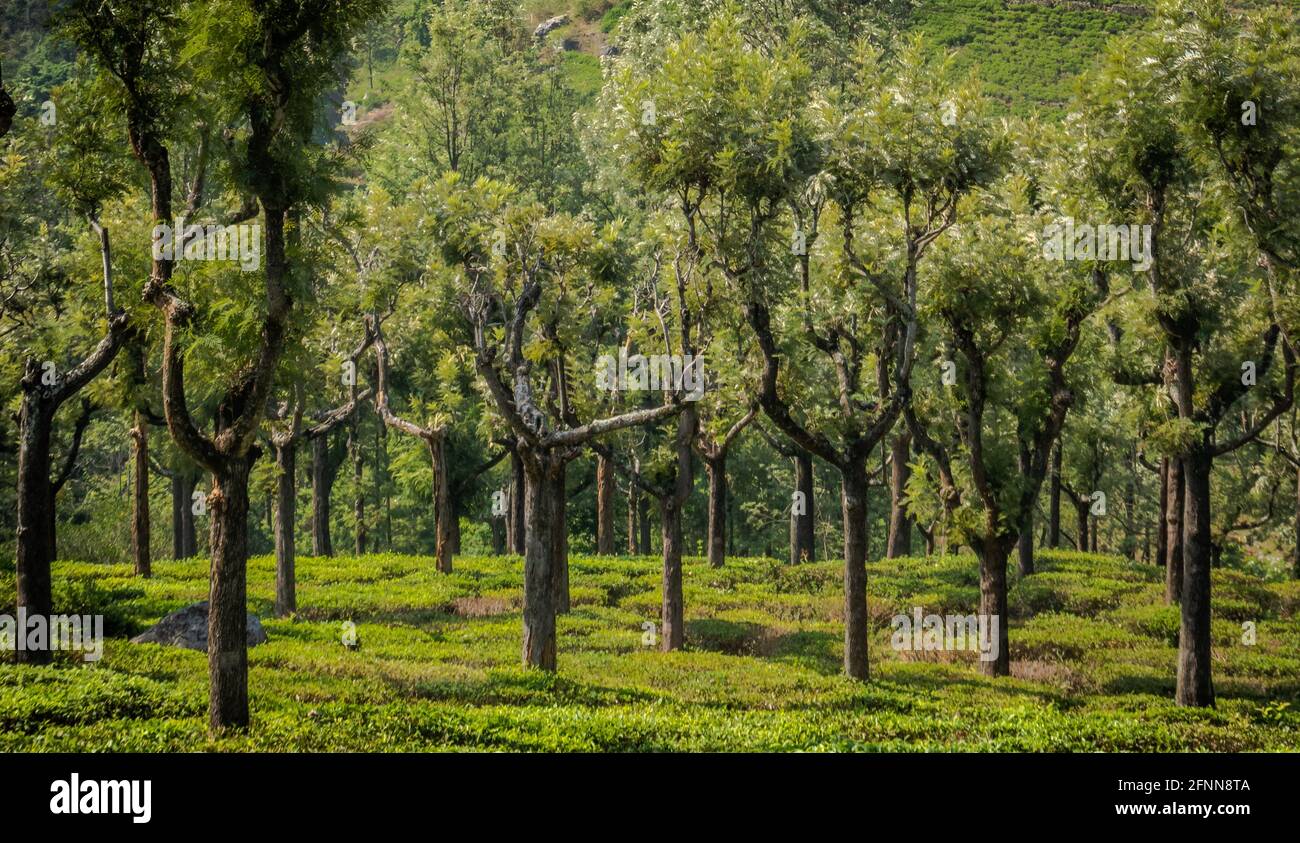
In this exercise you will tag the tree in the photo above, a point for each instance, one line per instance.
(510, 268)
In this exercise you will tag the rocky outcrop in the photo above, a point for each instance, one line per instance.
(188, 628)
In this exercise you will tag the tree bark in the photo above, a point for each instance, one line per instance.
(358, 475)
(286, 600)
(803, 547)
(1174, 532)
(184, 539)
(604, 506)
(1054, 501)
(324, 469)
(643, 523)
(900, 523)
(853, 495)
(515, 526)
(717, 538)
(1081, 508)
(539, 547)
(672, 634)
(227, 596)
(442, 513)
(1295, 565)
(633, 495)
(1162, 534)
(560, 538)
(993, 601)
(140, 534)
(35, 512)
(1195, 687)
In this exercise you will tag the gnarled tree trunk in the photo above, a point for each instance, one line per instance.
(993, 601)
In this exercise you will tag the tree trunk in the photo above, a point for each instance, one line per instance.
(539, 547)
(673, 633)
(359, 498)
(516, 530)
(286, 457)
(1295, 565)
(1162, 535)
(1174, 532)
(323, 471)
(140, 534)
(227, 596)
(560, 539)
(1081, 507)
(900, 523)
(993, 601)
(717, 471)
(643, 523)
(1195, 687)
(633, 495)
(35, 512)
(803, 546)
(604, 506)
(1054, 501)
(442, 513)
(1025, 544)
(853, 495)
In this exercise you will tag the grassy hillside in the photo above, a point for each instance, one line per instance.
(1092, 649)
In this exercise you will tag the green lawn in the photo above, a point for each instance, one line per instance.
(1092, 648)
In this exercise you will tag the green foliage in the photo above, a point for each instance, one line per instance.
(437, 666)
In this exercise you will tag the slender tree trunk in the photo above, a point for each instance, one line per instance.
(1081, 507)
(1162, 535)
(900, 523)
(323, 471)
(180, 505)
(604, 506)
(286, 457)
(228, 597)
(633, 494)
(453, 506)
(1054, 501)
(1195, 686)
(643, 522)
(717, 471)
(803, 539)
(993, 601)
(1174, 532)
(35, 511)
(140, 533)
(560, 538)
(1025, 547)
(359, 497)
(442, 513)
(853, 495)
(539, 547)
